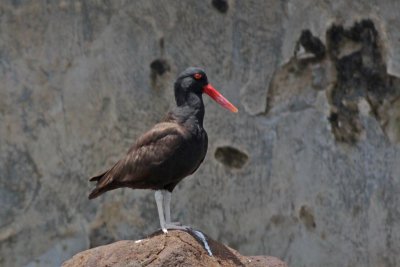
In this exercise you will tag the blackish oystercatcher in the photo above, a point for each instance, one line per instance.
(170, 151)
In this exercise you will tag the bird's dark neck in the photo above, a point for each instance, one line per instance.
(189, 110)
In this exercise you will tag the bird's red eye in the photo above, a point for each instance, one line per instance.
(198, 76)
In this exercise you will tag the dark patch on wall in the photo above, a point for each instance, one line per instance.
(351, 70)
(311, 44)
(307, 217)
(231, 157)
(221, 5)
(159, 66)
(361, 74)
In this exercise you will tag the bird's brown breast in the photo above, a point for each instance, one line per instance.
(162, 157)
(189, 154)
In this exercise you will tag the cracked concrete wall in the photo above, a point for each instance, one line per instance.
(80, 80)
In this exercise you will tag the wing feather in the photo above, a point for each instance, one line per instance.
(152, 149)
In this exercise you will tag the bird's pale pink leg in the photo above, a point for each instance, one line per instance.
(162, 202)
(158, 195)
(167, 208)
(167, 205)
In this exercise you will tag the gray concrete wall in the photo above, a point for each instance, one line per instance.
(308, 170)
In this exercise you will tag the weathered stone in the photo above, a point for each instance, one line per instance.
(176, 248)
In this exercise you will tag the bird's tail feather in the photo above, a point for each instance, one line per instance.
(101, 189)
(98, 177)
(98, 190)
(107, 181)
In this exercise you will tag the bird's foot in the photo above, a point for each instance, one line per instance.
(174, 226)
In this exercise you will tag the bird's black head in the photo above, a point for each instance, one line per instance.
(193, 82)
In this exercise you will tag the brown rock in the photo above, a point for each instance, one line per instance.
(177, 248)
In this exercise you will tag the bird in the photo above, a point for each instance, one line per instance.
(171, 150)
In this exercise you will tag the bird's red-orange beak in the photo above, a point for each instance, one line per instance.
(220, 99)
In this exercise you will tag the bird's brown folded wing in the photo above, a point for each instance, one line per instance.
(153, 148)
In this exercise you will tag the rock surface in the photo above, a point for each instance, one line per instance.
(307, 171)
(176, 248)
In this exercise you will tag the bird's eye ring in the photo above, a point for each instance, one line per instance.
(197, 76)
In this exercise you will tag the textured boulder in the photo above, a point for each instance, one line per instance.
(176, 248)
